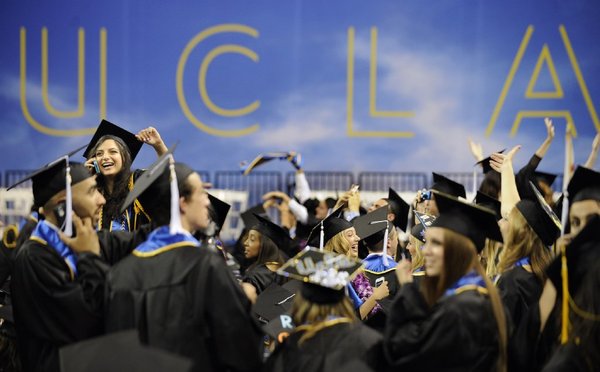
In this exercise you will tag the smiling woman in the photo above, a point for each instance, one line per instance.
(111, 153)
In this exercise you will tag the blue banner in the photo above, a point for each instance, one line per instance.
(352, 85)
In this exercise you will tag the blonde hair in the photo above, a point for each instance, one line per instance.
(522, 241)
(338, 244)
(417, 259)
(489, 257)
(315, 315)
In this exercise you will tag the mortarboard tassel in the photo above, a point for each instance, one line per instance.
(175, 224)
(385, 241)
(321, 237)
(564, 331)
(69, 201)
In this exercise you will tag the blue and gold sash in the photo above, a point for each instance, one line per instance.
(470, 281)
(160, 241)
(47, 234)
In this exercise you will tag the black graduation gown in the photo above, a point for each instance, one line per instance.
(185, 300)
(52, 309)
(261, 277)
(459, 333)
(519, 290)
(327, 350)
(570, 358)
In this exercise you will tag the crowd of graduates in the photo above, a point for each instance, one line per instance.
(120, 269)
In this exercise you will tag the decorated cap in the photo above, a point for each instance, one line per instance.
(474, 222)
(331, 226)
(425, 221)
(399, 207)
(324, 274)
(276, 233)
(280, 327)
(448, 186)
(540, 217)
(107, 128)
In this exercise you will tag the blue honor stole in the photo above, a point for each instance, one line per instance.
(472, 280)
(525, 261)
(47, 234)
(161, 240)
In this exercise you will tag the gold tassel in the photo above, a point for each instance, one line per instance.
(564, 332)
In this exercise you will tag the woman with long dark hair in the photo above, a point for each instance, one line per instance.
(263, 244)
(453, 318)
(110, 154)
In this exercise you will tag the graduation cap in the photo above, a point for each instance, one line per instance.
(119, 352)
(218, 211)
(448, 186)
(540, 217)
(373, 228)
(272, 302)
(324, 274)
(485, 163)
(292, 157)
(487, 201)
(473, 221)
(584, 185)
(399, 207)
(329, 227)
(425, 221)
(107, 128)
(280, 327)
(548, 178)
(160, 182)
(248, 215)
(276, 233)
(58, 175)
(369, 227)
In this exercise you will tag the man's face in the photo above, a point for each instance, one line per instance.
(87, 200)
(196, 206)
(580, 213)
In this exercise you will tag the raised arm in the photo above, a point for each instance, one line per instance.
(502, 163)
(543, 149)
(151, 136)
(591, 160)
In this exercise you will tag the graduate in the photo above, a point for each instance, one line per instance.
(532, 229)
(327, 334)
(335, 234)
(453, 319)
(58, 278)
(579, 349)
(263, 246)
(547, 323)
(179, 296)
(110, 154)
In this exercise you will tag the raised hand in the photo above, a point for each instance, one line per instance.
(86, 239)
(500, 161)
